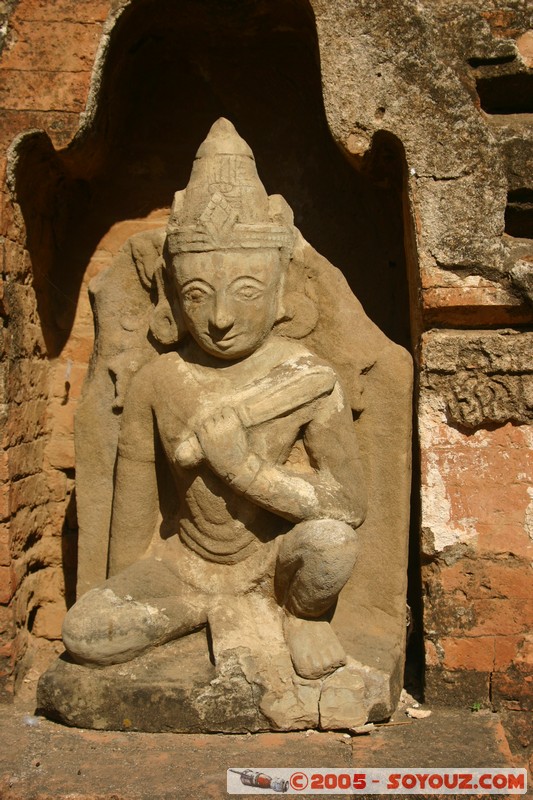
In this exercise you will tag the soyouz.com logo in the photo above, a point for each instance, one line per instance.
(245, 780)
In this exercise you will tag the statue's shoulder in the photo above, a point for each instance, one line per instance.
(160, 371)
(295, 352)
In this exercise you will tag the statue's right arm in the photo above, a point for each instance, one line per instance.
(135, 499)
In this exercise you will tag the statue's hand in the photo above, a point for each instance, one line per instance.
(224, 442)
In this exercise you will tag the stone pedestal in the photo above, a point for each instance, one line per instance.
(176, 688)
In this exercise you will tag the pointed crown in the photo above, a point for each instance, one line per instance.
(225, 205)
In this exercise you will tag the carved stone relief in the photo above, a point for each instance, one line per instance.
(485, 378)
(234, 519)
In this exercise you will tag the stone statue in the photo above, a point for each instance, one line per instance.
(238, 487)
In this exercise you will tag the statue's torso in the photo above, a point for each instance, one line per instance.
(214, 519)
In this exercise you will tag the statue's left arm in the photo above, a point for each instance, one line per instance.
(333, 489)
(135, 501)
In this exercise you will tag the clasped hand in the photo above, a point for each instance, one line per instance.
(224, 441)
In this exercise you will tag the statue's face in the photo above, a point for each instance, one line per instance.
(229, 299)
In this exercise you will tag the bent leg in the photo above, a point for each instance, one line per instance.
(141, 607)
(315, 560)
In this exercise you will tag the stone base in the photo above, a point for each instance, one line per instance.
(177, 688)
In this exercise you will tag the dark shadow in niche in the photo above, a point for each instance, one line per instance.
(506, 94)
(170, 72)
(69, 549)
(519, 214)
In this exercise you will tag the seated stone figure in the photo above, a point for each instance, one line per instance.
(237, 488)
(227, 410)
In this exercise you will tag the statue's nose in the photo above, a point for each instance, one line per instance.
(222, 317)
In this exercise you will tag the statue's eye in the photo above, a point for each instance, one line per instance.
(195, 295)
(248, 293)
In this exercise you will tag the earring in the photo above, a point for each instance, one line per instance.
(162, 321)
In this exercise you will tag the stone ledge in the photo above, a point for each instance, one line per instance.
(48, 761)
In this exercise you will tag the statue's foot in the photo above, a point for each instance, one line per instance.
(314, 647)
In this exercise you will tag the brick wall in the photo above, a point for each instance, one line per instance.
(472, 258)
(45, 69)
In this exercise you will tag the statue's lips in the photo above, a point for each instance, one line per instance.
(226, 342)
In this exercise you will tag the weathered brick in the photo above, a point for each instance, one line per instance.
(7, 584)
(506, 650)
(513, 688)
(31, 491)
(501, 616)
(65, 46)
(43, 586)
(60, 452)
(28, 380)
(5, 506)
(7, 623)
(460, 688)
(5, 552)
(49, 620)
(25, 326)
(67, 371)
(476, 653)
(26, 458)
(28, 525)
(483, 578)
(56, 481)
(17, 262)
(11, 219)
(518, 726)
(43, 91)
(59, 125)
(58, 10)
(26, 422)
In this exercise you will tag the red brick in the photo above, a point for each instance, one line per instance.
(5, 509)
(26, 458)
(31, 491)
(49, 620)
(7, 627)
(502, 616)
(503, 23)
(28, 523)
(28, 380)
(63, 10)
(475, 305)
(6, 584)
(514, 688)
(5, 552)
(59, 125)
(56, 481)
(51, 46)
(26, 422)
(17, 261)
(43, 91)
(506, 650)
(524, 45)
(476, 653)
(481, 578)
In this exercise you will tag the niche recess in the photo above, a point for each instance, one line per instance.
(170, 71)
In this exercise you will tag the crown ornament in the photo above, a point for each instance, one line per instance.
(225, 205)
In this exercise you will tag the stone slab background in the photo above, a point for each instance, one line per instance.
(453, 83)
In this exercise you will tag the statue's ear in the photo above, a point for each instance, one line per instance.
(163, 322)
(297, 311)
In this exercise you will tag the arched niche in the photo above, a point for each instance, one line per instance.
(170, 69)
(167, 72)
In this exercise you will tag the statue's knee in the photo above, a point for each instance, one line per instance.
(315, 562)
(80, 628)
(95, 630)
(323, 536)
